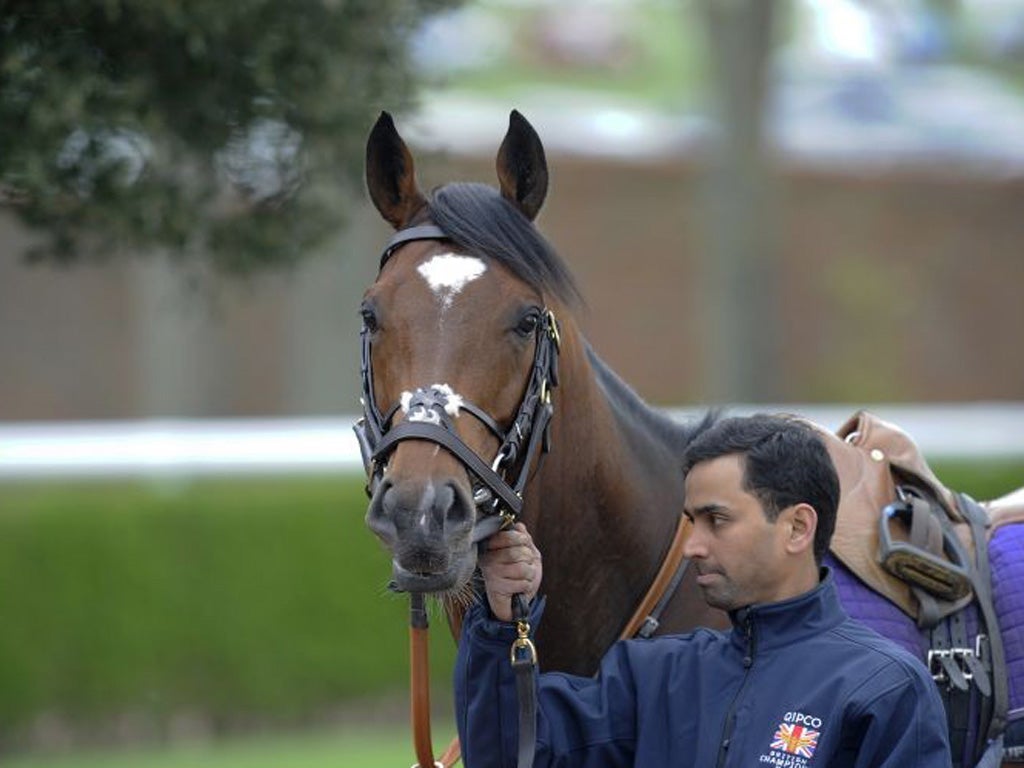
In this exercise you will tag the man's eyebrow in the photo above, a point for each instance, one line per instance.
(705, 509)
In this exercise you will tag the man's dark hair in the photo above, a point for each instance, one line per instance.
(784, 463)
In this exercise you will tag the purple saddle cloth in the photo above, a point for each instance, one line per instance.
(1006, 554)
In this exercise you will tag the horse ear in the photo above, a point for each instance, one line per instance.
(390, 175)
(522, 167)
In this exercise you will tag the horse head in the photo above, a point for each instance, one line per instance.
(459, 349)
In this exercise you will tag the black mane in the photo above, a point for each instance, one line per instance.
(677, 436)
(479, 219)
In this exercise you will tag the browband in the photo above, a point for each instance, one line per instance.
(422, 232)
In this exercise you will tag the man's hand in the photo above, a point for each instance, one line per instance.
(511, 565)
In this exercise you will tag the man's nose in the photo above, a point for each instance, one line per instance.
(694, 546)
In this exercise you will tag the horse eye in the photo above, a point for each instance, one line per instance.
(528, 324)
(369, 318)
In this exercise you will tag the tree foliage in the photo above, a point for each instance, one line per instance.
(222, 130)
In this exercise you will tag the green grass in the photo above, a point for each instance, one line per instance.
(982, 480)
(383, 746)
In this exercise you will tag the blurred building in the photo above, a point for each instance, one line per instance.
(901, 198)
(899, 284)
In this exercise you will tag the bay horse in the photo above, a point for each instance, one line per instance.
(473, 365)
(462, 313)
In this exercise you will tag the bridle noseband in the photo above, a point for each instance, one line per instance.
(430, 412)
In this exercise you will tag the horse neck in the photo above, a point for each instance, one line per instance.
(605, 505)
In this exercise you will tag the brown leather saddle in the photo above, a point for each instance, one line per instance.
(899, 529)
(925, 548)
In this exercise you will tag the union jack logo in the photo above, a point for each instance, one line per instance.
(796, 739)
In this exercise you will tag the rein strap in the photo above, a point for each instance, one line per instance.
(645, 619)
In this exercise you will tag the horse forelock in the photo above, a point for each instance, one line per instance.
(480, 220)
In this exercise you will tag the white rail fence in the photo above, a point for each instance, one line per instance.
(974, 431)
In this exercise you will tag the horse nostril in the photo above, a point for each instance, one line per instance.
(419, 510)
(461, 509)
(444, 498)
(380, 516)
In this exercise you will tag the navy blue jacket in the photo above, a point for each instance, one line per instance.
(795, 684)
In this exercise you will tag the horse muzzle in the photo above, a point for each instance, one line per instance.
(428, 528)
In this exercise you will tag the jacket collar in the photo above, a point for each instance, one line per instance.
(787, 621)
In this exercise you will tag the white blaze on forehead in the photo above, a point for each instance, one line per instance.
(448, 273)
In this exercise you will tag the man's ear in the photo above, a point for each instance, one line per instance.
(802, 523)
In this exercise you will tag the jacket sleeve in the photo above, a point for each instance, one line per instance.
(904, 725)
(581, 721)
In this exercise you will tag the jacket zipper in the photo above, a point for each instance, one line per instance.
(730, 718)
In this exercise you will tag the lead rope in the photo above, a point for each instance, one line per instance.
(419, 682)
(523, 657)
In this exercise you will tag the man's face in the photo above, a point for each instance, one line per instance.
(738, 554)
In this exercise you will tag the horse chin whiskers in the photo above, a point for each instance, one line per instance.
(458, 599)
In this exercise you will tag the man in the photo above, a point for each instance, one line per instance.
(795, 684)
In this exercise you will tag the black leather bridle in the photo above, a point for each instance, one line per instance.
(429, 413)
(498, 501)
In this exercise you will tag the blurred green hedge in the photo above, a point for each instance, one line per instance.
(233, 599)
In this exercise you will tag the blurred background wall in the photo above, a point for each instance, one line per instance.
(900, 284)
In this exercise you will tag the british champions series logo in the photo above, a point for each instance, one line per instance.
(794, 741)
